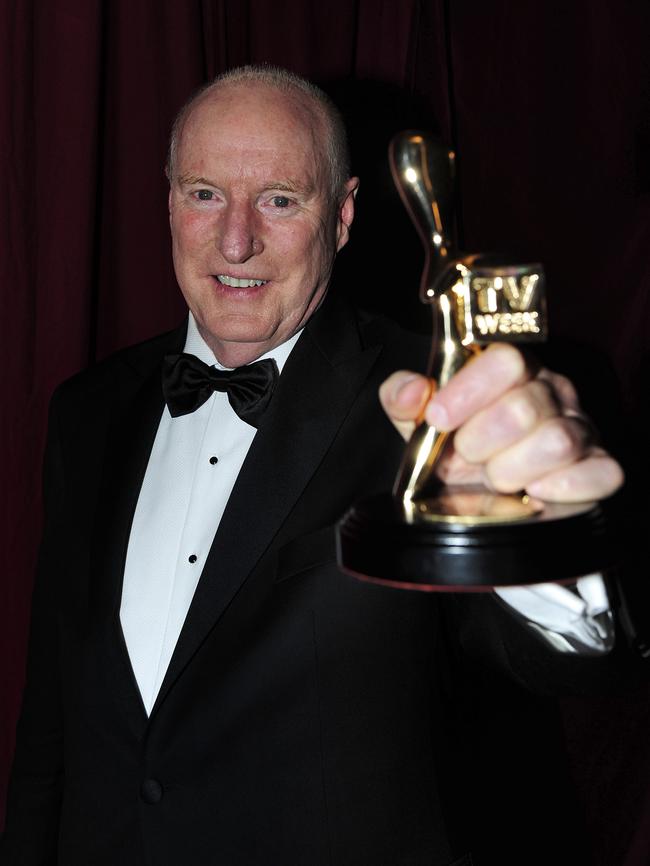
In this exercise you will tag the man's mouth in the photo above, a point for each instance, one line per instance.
(238, 283)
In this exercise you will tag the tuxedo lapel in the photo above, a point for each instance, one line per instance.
(131, 432)
(317, 388)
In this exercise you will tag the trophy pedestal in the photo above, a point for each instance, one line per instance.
(495, 541)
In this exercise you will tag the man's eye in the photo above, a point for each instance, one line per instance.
(280, 201)
(204, 195)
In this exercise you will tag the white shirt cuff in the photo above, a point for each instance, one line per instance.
(574, 619)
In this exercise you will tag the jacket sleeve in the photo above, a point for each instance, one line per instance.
(489, 634)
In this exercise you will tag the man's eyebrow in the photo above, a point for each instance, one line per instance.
(281, 185)
(192, 179)
(291, 186)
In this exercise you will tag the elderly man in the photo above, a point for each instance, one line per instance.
(203, 685)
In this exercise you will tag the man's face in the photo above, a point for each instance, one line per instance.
(254, 227)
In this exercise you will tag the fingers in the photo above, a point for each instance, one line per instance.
(484, 379)
(404, 394)
(514, 416)
(595, 477)
(516, 428)
(534, 437)
(403, 397)
(552, 446)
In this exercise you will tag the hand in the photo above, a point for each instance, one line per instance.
(515, 428)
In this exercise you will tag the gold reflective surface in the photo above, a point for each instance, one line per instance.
(474, 300)
(471, 507)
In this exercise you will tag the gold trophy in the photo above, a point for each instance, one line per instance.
(423, 534)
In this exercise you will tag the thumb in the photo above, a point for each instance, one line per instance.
(403, 397)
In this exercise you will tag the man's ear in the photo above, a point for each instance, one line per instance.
(346, 213)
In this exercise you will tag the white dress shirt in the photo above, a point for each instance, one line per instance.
(194, 463)
(192, 469)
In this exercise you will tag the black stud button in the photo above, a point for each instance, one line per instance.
(192, 558)
(151, 791)
(214, 460)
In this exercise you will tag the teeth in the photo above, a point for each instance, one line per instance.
(239, 284)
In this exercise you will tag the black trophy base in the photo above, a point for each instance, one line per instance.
(433, 549)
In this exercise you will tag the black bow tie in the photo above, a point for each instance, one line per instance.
(188, 382)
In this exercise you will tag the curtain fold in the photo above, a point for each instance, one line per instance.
(547, 104)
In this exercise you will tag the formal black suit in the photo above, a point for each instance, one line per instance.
(305, 718)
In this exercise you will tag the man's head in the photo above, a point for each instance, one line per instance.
(260, 202)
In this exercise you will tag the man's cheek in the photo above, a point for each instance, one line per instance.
(192, 229)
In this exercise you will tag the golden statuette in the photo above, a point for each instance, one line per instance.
(425, 535)
(475, 300)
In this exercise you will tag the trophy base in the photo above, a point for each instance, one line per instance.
(472, 540)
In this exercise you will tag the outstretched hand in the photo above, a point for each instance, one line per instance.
(516, 428)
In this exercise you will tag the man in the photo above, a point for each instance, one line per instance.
(236, 700)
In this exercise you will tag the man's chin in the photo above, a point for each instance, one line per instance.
(239, 343)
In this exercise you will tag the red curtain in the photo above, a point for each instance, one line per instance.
(546, 103)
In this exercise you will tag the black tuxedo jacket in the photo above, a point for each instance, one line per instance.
(304, 718)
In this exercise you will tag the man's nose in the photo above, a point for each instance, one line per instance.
(239, 236)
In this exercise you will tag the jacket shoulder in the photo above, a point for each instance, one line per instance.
(120, 369)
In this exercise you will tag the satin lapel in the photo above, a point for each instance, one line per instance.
(131, 432)
(317, 389)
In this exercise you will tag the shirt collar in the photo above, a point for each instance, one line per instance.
(196, 345)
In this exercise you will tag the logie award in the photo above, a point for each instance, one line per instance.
(428, 536)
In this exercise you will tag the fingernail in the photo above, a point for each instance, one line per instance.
(436, 415)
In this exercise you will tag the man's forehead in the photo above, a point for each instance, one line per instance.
(255, 100)
(267, 121)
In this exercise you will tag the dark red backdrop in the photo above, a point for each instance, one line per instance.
(548, 106)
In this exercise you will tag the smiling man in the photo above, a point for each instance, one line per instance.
(203, 685)
(256, 216)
